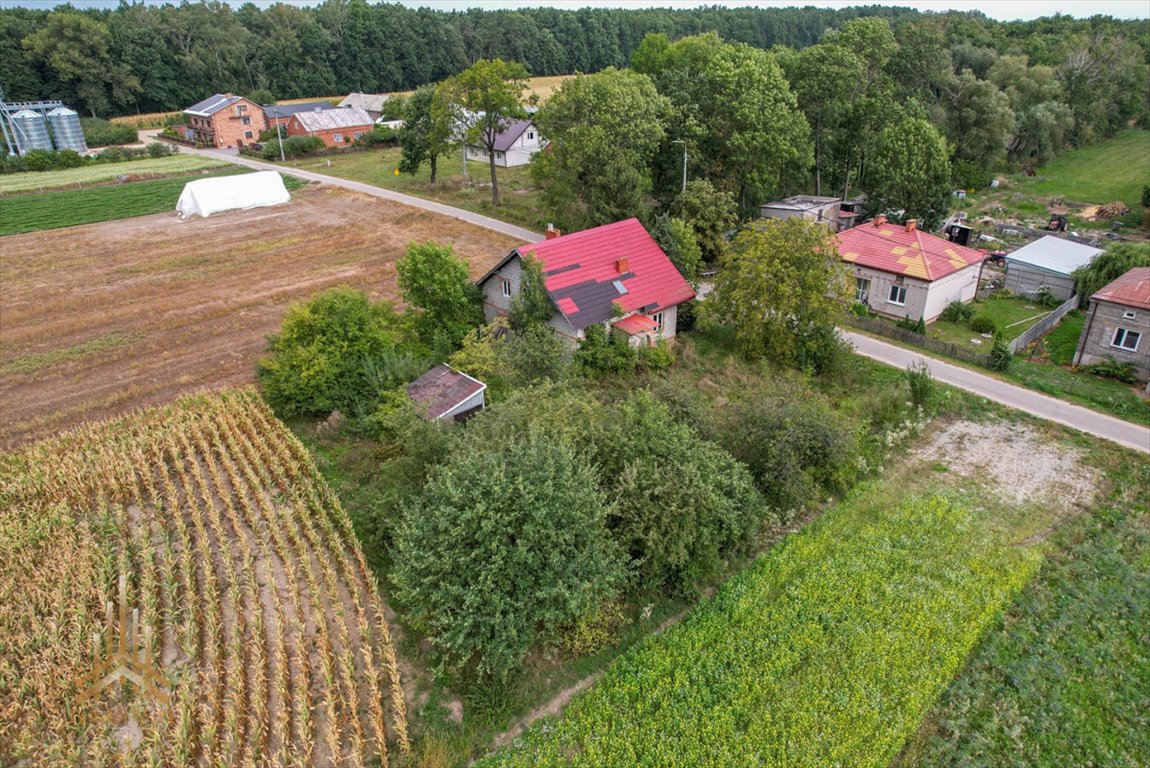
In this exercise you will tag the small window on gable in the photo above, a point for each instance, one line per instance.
(658, 318)
(530, 135)
(505, 287)
(241, 108)
(1128, 315)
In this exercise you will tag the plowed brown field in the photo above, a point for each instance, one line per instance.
(101, 319)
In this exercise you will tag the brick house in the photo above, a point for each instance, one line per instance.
(336, 127)
(615, 275)
(1118, 323)
(224, 120)
(901, 271)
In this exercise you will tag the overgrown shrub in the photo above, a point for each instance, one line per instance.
(293, 146)
(921, 383)
(797, 450)
(593, 632)
(983, 324)
(156, 149)
(1112, 369)
(49, 160)
(436, 282)
(602, 352)
(957, 312)
(1047, 299)
(656, 357)
(99, 132)
(318, 363)
(380, 136)
(680, 505)
(917, 326)
(503, 547)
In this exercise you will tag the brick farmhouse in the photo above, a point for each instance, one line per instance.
(336, 127)
(224, 120)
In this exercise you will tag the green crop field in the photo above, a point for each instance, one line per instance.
(1065, 679)
(72, 207)
(813, 656)
(102, 173)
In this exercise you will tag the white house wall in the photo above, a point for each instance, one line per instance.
(923, 299)
(958, 286)
(475, 401)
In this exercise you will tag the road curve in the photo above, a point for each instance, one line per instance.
(525, 235)
(1085, 420)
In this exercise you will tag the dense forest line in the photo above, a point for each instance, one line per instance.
(140, 58)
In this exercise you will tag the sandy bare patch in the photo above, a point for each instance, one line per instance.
(1014, 460)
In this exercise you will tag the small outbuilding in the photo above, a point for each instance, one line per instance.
(445, 393)
(1047, 265)
(372, 103)
(1118, 323)
(824, 210)
(203, 197)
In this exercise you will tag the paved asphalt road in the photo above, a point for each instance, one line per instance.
(1046, 407)
(1083, 419)
(231, 156)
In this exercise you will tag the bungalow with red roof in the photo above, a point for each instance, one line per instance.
(1118, 323)
(615, 275)
(336, 127)
(901, 271)
(514, 145)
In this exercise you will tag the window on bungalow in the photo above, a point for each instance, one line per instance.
(505, 287)
(1126, 339)
(898, 295)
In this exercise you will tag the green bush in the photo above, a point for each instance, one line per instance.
(593, 632)
(380, 136)
(680, 505)
(1112, 369)
(156, 149)
(503, 548)
(293, 146)
(860, 309)
(50, 160)
(957, 312)
(656, 357)
(921, 384)
(602, 352)
(436, 282)
(326, 355)
(1000, 355)
(797, 450)
(102, 133)
(983, 324)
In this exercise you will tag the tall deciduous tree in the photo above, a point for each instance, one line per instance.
(604, 129)
(76, 49)
(434, 279)
(422, 137)
(781, 289)
(909, 172)
(490, 92)
(711, 215)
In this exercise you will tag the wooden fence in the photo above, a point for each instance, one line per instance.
(1043, 325)
(883, 328)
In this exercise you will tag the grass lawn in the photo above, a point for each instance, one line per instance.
(1105, 395)
(816, 654)
(1012, 317)
(72, 207)
(102, 173)
(1064, 678)
(519, 197)
(1111, 170)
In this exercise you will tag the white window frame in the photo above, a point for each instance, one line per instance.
(1122, 335)
(531, 135)
(337, 138)
(358, 135)
(245, 120)
(248, 135)
(505, 287)
(499, 155)
(895, 288)
(658, 318)
(1128, 315)
(241, 108)
(862, 290)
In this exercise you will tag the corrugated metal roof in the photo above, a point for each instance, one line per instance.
(274, 111)
(581, 267)
(637, 323)
(443, 388)
(372, 102)
(892, 248)
(1131, 290)
(330, 119)
(1055, 255)
(801, 203)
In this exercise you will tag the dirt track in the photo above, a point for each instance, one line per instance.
(100, 319)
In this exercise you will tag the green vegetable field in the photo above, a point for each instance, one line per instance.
(814, 656)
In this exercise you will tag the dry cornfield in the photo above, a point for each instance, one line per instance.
(268, 627)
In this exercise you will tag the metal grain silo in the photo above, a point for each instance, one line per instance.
(31, 131)
(66, 130)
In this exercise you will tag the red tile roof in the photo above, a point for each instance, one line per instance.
(441, 389)
(637, 323)
(1131, 290)
(583, 277)
(891, 248)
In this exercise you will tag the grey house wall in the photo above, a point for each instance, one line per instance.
(1095, 345)
(1028, 281)
(495, 304)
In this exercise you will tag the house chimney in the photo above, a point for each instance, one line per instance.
(879, 221)
(911, 225)
(229, 95)
(621, 265)
(552, 233)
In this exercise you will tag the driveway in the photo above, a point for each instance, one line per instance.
(232, 156)
(1083, 419)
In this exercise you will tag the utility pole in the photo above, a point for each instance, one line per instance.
(684, 143)
(279, 135)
